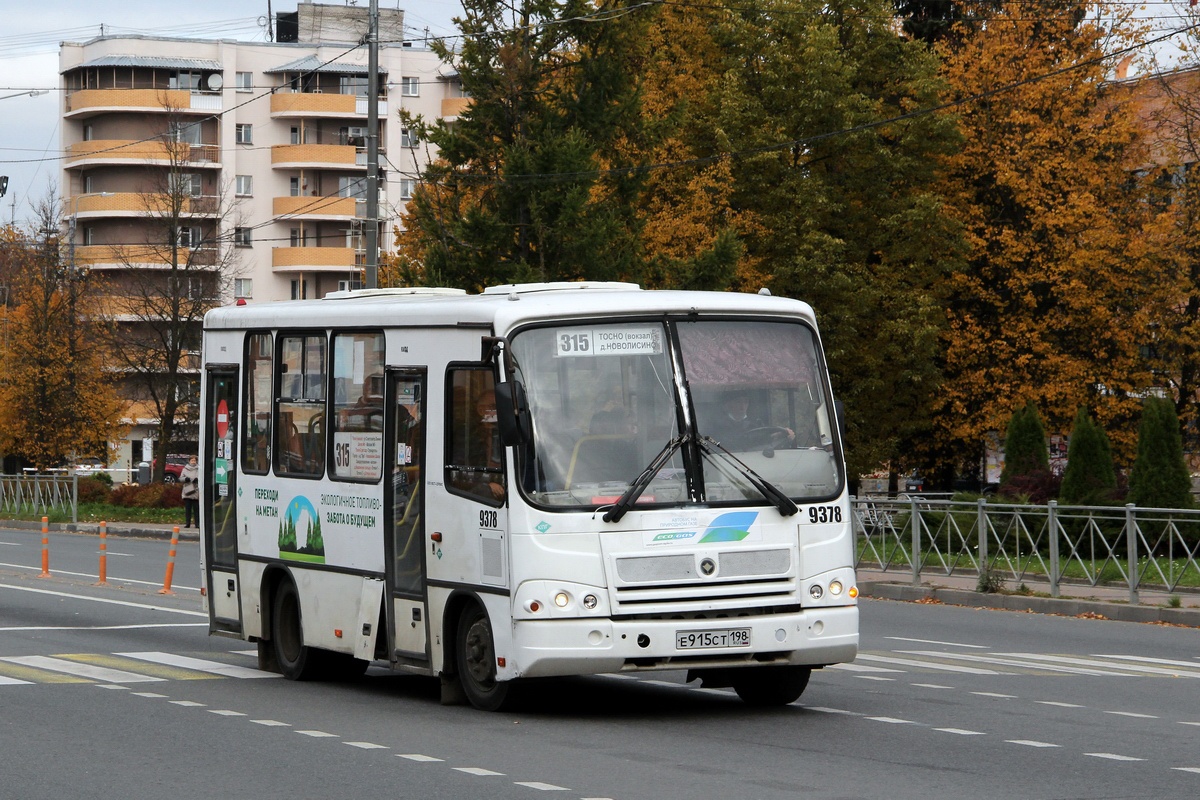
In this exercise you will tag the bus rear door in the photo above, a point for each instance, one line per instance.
(219, 500)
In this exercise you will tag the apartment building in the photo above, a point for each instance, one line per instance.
(264, 142)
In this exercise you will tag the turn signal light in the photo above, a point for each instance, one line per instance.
(854, 591)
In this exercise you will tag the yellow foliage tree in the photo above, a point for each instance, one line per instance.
(55, 400)
(1051, 307)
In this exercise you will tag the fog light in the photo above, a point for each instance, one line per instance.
(835, 588)
(815, 591)
(590, 601)
(561, 599)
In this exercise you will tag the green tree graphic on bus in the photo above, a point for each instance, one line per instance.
(301, 515)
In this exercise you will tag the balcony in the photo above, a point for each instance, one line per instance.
(87, 102)
(453, 106)
(339, 208)
(113, 256)
(315, 104)
(316, 259)
(316, 156)
(151, 152)
(137, 204)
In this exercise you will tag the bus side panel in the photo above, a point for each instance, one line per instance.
(254, 611)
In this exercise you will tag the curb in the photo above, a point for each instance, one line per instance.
(132, 529)
(1060, 606)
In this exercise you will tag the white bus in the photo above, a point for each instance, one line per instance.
(539, 480)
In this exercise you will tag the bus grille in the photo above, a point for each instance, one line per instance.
(675, 583)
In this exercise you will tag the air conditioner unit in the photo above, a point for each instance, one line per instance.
(343, 286)
(356, 132)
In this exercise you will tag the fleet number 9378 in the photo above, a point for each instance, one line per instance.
(819, 514)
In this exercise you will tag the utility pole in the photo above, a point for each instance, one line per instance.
(371, 280)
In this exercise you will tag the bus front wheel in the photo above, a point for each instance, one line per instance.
(475, 658)
(771, 686)
(296, 661)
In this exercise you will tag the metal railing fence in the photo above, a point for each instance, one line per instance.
(1123, 546)
(39, 494)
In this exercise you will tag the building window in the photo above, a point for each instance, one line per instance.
(353, 84)
(242, 238)
(244, 133)
(189, 236)
(245, 81)
(299, 289)
(243, 287)
(410, 87)
(244, 185)
(188, 133)
(88, 133)
(298, 237)
(406, 188)
(89, 235)
(184, 184)
(352, 187)
(407, 138)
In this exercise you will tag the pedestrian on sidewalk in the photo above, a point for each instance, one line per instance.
(189, 477)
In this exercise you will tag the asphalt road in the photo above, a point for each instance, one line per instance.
(118, 691)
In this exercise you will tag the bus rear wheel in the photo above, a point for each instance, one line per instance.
(297, 661)
(771, 686)
(475, 658)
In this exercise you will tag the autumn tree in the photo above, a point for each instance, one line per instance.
(56, 401)
(174, 261)
(530, 183)
(1051, 305)
(831, 166)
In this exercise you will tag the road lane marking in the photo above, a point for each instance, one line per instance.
(1013, 662)
(1058, 704)
(127, 603)
(861, 667)
(1148, 660)
(319, 734)
(995, 694)
(89, 671)
(271, 723)
(200, 665)
(961, 732)
(105, 627)
(873, 678)
(827, 710)
(892, 720)
(1091, 662)
(7, 681)
(1031, 743)
(931, 686)
(1113, 757)
(933, 641)
(149, 694)
(117, 662)
(541, 787)
(480, 771)
(1133, 714)
(224, 712)
(367, 745)
(1188, 769)
(94, 576)
(187, 703)
(418, 757)
(1189, 723)
(912, 662)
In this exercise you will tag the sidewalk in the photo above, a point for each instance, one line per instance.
(1074, 600)
(141, 530)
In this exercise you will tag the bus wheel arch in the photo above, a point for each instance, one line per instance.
(470, 652)
(297, 661)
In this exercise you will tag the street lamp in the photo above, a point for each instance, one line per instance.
(29, 93)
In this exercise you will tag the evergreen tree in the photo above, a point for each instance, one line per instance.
(1089, 478)
(1160, 476)
(1025, 452)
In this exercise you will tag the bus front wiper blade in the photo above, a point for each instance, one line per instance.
(639, 484)
(777, 498)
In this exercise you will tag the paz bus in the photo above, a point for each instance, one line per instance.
(537, 480)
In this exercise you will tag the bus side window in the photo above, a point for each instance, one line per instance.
(256, 454)
(474, 454)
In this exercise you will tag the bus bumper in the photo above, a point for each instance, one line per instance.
(815, 637)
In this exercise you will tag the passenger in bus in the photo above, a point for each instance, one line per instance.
(612, 418)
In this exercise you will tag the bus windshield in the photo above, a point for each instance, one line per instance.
(607, 399)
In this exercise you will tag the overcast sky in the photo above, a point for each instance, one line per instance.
(31, 31)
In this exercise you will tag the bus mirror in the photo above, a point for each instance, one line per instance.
(512, 413)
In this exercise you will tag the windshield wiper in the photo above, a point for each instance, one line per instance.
(639, 484)
(777, 498)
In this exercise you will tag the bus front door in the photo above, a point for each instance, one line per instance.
(404, 502)
(218, 500)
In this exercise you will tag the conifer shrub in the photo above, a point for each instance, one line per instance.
(1025, 452)
(1090, 479)
(1160, 476)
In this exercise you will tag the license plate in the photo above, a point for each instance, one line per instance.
(725, 637)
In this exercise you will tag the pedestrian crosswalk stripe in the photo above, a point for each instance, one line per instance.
(90, 671)
(7, 681)
(1000, 660)
(1145, 669)
(908, 662)
(200, 664)
(119, 662)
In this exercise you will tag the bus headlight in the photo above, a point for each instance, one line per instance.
(815, 591)
(590, 601)
(561, 599)
(835, 587)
